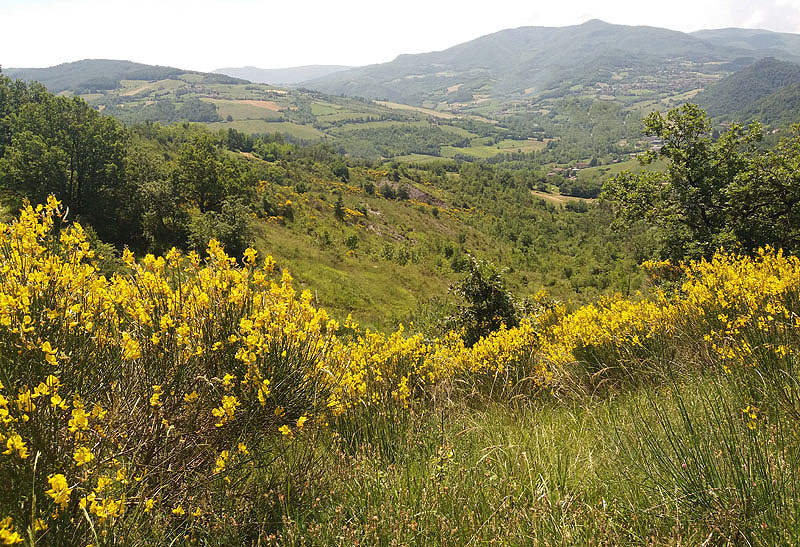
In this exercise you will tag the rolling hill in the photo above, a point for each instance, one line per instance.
(281, 76)
(779, 44)
(92, 75)
(530, 63)
(740, 91)
(563, 94)
(136, 93)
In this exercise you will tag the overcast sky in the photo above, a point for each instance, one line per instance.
(209, 34)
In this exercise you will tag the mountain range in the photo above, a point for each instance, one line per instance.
(523, 79)
(534, 62)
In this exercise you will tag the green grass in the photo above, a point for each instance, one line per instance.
(417, 158)
(489, 150)
(667, 462)
(603, 172)
(242, 111)
(323, 109)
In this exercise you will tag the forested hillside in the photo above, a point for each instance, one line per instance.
(337, 221)
(740, 91)
(531, 63)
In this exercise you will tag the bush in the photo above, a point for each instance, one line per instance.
(230, 226)
(488, 305)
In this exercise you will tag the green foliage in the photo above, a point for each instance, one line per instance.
(59, 145)
(230, 226)
(488, 304)
(722, 193)
(338, 208)
(739, 92)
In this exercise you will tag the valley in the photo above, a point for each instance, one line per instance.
(537, 288)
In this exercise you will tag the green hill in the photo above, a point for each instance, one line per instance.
(92, 75)
(778, 109)
(530, 62)
(739, 91)
(136, 93)
(765, 42)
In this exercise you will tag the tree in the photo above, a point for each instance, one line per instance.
(62, 146)
(338, 208)
(340, 170)
(488, 304)
(230, 226)
(712, 193)
(206, 174)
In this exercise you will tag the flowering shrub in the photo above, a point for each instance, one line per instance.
(147, 397)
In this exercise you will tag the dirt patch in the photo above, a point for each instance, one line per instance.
(269, 105)
(133, 92)
(415, 193)
(454, 88)
(558, 199)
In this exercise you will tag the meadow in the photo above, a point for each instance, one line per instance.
(200, 399)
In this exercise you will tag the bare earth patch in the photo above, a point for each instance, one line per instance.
(132, 92)
(269, 105)
(558, 199)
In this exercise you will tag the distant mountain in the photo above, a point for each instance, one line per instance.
(282, 76)
(518, 64)
(91, 75)
(740, 91)
(765, 42)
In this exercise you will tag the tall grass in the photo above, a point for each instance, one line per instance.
(195, 399)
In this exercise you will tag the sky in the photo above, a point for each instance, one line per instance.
(208, 34)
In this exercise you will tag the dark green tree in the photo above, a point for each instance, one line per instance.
(710, 193)
(61, 146)
(487, 302)
(338, 208)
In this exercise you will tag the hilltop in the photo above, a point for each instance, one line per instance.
(527, 64)
(553, 97)
(95, 75)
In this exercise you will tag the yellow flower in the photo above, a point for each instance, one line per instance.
(7, 534)
(79, 420)
(301, 421)
(155, 398)
(226, 410)
(178, 511)
(82, 456)
(16, 444)
(190, 397)
(50, 353)
(148, 505)
(250, 255)
(221, 462)
(59, 490)
(284, 429)
(130, 347)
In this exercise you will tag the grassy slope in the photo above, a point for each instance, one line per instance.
(371, 281)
